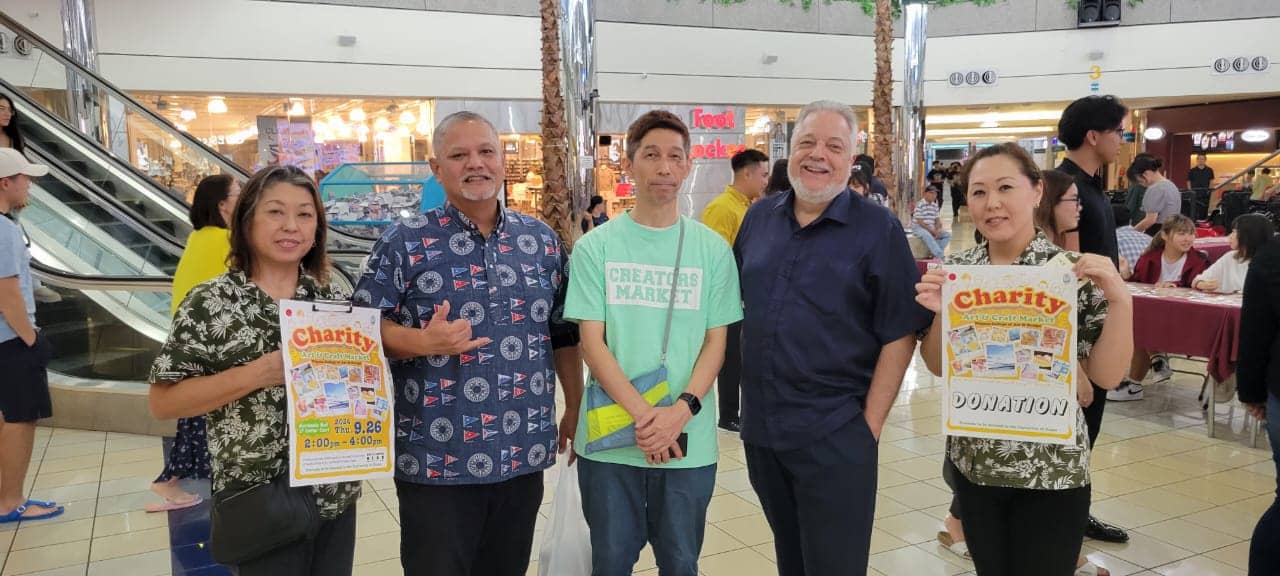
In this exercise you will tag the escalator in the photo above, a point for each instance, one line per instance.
(130, 152)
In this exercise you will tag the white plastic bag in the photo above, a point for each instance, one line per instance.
(566, 545)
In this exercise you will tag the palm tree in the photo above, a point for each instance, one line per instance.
(882, 94)
(556, 204)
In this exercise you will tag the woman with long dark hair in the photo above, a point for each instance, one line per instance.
(778, 180)
(204, 258)
(1249, 233)
(10, 137)
(223, 360)
(1026, 504)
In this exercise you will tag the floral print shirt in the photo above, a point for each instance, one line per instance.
(1033, 465)
(228, 322)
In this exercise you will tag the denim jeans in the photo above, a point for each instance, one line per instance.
(1264, 550)
(937, 246)
(626, 506)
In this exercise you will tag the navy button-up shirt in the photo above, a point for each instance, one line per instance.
(487, 415)
(820, 302)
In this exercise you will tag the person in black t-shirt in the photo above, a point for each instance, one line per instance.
(1092, 129)
(1200, 177)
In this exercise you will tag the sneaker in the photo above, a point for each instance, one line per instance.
(1126, 392)
(1161, 370)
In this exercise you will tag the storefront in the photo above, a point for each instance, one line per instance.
(317, 134)
(320, 133)
(1231, 135)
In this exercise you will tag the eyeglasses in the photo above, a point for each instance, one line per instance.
(1065, 199)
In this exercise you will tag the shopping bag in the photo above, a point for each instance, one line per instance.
(566, 545)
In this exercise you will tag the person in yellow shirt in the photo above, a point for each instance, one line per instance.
(204, 258)
(1261, 184)
(724, 214)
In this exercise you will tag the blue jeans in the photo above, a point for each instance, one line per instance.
(1264, 550)
(937, 246)
(627, 506)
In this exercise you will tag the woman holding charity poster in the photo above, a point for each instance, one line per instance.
(1026, 503)
(223, 359)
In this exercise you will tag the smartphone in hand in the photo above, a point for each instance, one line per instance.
(683, 442)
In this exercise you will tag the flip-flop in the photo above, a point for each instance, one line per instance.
(960, 548)
(169, 505)
(1091, 569)
(42, 503)
(17, 515)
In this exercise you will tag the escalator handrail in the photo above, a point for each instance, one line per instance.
(120, 95)
(13, 92)
(1240, 174)
(109, 203)
(55, 277)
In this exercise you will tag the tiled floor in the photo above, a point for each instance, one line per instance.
(1190, 502)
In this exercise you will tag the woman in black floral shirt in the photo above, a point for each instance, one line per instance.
(223, 358)
(1025, 503)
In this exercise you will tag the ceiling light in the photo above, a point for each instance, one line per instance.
(217, 105)
(406, 117)
(344, 132)
(1006, 117)
(424, 127)
(187, 115)
(988, 131)
(173, 143)
(334, 121)
(402, 131)
(296, 108)
(990, 123)
(357, 115)
(1153, 133)
(381, 124)
(1255, 135)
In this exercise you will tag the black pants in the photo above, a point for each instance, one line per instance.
(1016, 532)
(1092, 419)
(820, 501)
(330, 553)
(730, 382)
(477, 530)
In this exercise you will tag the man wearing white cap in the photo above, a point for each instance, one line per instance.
(24, 395)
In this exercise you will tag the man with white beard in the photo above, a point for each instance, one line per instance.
(831, 324)
(471, 297)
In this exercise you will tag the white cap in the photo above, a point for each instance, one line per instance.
(12, 162)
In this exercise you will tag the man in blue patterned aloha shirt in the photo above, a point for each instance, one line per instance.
(471, 296)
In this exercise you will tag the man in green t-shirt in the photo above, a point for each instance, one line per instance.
(657, 490)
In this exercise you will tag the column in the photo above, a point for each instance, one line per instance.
(578, 62)
(909, 153)
(84, 100)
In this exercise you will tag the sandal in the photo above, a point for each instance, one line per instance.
(170, 504)
(960, 548)
(17, 514)
(1091, 569)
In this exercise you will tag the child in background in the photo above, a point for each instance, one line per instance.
(1249, 233)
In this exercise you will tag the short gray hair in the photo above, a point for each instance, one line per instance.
(448, 121)
(829, 106)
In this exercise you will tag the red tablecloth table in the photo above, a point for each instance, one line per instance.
(1214, 247)
(1188, 322)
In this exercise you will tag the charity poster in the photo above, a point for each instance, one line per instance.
(1009, 352)
(339, 393)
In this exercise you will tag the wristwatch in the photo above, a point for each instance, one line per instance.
(695, 405)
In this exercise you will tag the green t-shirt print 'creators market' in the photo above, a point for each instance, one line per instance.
(620, 274)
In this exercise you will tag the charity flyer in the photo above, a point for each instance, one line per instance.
(339, 393)
(1009, 352)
